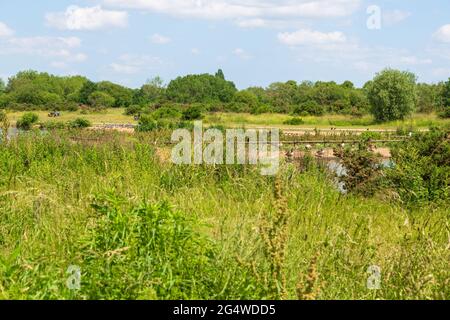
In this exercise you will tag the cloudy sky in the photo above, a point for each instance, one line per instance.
(255, 42)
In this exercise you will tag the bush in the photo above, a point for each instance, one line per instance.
(27, 121)
(308, 108)
(167, 113)
(294, 122)
(133, 110)
(147, 123)
(100, 100)
(192, 113)
(79, 123)
(422, 167)
(362, 170)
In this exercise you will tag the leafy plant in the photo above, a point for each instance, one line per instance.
(27, 121)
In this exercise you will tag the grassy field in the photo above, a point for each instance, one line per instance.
(139, 227)
(248, 120)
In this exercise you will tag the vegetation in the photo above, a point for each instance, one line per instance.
(392, 95)
(27, 121)
(140, 227)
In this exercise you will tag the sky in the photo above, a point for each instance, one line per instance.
(255, 42)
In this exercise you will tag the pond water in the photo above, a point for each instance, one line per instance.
(337, 168)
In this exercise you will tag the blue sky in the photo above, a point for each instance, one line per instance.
(255, 42)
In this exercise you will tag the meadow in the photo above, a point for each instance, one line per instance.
(140, 227)
(229, 119)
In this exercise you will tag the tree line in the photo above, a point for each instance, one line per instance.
(391, 95)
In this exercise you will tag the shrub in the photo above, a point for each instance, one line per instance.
(308, 108)
(133, 110)
(192, 113)
(167, 113)
(422, 167)
(362, 170)
(294, 122)
(79, 123)
(146, 123)
(27, 121)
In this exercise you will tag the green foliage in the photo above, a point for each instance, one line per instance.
(2, 86)
(201, 88)
(422, 167)
(294, 121)
(167, 112)
(79, 123)
(27, 121)
(446, 100)
(133, 110)
(308, 108)
(101, 100)
(392, 95)
(123, 97)
(4, 126)
(145, 251)
(362, 169)
(193, 113)
(100, 202)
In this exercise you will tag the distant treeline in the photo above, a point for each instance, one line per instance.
(31, 90)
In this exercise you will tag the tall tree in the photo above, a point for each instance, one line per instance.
(392, 95)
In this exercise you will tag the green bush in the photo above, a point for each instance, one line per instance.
(193, 113)
(79, 123)
(27, 121)
(133, 110)
(308, 108)
(294, 122)
(422, 167)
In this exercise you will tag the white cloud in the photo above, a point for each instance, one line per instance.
(413, 60)
(270, 23)
(391, 18)
(311, 37)
(160, 39)
(443, 34)
(89, 18)
(133, 64)
(5, 31)
(240, 9)
(64, 49)
(241, 53)
(195, 51)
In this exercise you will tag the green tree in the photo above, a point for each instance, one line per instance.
(202, 88)
(85, 92)
(220, 74)
(152, 91)
(446, 100)
(2, 86)
(123, 97)
(99, 100)
(392, 95)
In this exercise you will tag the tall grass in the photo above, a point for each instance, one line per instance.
(142, 228)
